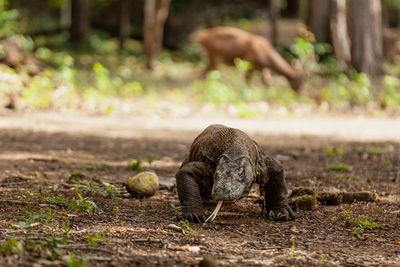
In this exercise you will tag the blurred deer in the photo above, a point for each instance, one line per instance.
(224, 44)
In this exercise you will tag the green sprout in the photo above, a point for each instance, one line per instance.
(340, 167)
(134, 164)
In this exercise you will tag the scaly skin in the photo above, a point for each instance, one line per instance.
(223, 164)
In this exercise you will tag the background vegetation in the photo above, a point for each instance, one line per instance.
(101, 73)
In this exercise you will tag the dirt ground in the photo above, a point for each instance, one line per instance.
(44, 156)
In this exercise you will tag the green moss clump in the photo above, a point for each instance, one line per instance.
(304, 202)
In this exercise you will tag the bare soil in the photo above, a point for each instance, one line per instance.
(44, 156)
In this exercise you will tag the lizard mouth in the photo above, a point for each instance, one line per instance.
(226, 200)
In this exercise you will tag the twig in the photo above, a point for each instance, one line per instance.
(17, 201)
(151, 240)
(175, 227)
(32, 225)
(43, 159)
(84, 246)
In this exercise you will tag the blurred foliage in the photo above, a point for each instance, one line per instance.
(96, 76)
(390, 97)
(345, 91)
(9, 24)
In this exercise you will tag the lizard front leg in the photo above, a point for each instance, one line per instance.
(191, 180)
(276, 205)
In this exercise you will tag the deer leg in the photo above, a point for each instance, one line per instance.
(248, 75)
(212, 65)
(265, 76)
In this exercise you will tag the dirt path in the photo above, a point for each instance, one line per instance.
(345, 128)
(44, 156)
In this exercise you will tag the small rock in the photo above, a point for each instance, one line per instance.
(194, 249)
(167, 182)
(350, 197)
(143, 184)
(208, 261)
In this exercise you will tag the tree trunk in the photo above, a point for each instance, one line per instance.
(124, 22)
(385, 14)
(365, 26)
(155, 15)
(161, 18)
(80, 23)
(340, 36)
(274, 10)
(318, 19)
(65, 15)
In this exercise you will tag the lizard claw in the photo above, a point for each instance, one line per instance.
(280, 214)
(194, 215)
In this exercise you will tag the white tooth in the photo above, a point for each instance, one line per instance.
(214, 214)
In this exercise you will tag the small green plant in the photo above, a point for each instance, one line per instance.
(293, 246)
(66, 225)
(374, 150)
(82, 203)
(29, 194)
(42, 216)
(13, 246)
(276, 230)
(116, 212)
(339, 176)
(88, 167)
(150, 157)
(74, 262)
(95, 239)
(176, 212)
(88, 184)
(352, 177)
(186, 224)
(109, 191)
(362, 222)
(51, 243)
(340, 167)
(333, 151)
(364, 225)
(57, 200)
(135, 164)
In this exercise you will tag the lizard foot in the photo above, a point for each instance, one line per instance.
(193, 214)
(279, 214)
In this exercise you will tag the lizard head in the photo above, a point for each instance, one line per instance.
(232, 178)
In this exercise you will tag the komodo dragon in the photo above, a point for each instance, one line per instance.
(223, 164)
